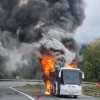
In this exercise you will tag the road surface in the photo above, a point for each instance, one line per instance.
(9, 93)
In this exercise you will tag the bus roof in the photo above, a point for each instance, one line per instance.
(70, 68)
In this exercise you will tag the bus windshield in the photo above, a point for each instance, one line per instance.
(70, 76)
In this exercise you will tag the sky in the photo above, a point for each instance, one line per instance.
(91, 25)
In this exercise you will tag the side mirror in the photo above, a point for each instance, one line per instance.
(59, 74)
(82, 75)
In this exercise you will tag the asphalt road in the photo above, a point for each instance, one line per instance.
(9, 93)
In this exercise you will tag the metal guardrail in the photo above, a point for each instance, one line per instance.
(8, 79)
(22, 80)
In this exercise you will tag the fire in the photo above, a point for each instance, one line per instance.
(47, 67)
(72, 65)
(47, 87)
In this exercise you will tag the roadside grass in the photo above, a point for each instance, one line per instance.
(92, 83)
(91, 91)
(32, 86)
(94, 95)
(91, 88)
(35, 80)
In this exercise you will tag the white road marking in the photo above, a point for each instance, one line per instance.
(23, 93)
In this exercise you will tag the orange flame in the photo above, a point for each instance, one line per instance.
(72, 65)
(47, 87)
(47, 67)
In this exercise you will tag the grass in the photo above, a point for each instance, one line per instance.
(95, 88)
(92, 83)
(91, 88)
(94, 95)
(34, 86)
(27, 80)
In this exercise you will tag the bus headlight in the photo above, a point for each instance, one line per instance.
(78, 91)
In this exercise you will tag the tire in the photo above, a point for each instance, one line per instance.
(75, 96)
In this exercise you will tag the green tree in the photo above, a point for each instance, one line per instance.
(30, 71)
(2, 66)
(91, 61)
(3, 72)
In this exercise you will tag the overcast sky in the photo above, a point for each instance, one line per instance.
(91, 24)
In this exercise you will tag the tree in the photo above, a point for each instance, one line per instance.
(2, 66)
(30, 71)
(3, 72)
(91, 60)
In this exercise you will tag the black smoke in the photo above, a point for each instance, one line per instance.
(68, 14)
(6, 7)
(32, 21)
(65, 14)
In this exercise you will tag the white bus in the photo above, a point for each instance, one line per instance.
(67, 81)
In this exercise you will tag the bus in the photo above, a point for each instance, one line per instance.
(66, 81)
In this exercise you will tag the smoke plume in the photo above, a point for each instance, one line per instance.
(53, 47)
(64, 14)
(13, 58)
(35, 22)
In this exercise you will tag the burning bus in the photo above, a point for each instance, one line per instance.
(66, 81)
(60, 72)
(63, 81)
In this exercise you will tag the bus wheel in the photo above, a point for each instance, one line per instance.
(75, 96)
